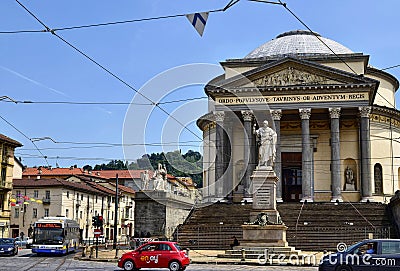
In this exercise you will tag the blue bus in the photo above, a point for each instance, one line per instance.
(55, 235)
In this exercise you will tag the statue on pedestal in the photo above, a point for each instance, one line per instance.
(350, 181)
(267, 150)
(160, 177)
(145, 180)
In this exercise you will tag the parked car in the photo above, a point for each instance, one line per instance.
(24, 242)
(371, 255)
(157, 254)
(8, 246)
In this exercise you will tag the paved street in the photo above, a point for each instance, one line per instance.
(25, 261)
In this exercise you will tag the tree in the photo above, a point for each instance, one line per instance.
(189, 164)
(87, 168)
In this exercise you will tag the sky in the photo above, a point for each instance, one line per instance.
(165, 60)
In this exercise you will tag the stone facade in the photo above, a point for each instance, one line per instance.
(334, 114)
(7, 147)
(158, 213)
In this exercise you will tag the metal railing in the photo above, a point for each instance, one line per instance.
(208, 236)
(323, 236)
(319, 237)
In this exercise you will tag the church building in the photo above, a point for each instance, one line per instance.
(337, 126)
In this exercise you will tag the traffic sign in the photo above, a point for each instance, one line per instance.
(97, 233)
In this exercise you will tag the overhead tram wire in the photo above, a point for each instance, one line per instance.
(24, 135)
(319, 38)
(107, 70)
(97, 103)
(233, 2)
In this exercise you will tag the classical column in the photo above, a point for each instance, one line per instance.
(228, 168)
(219, 152)
(306, 158)
(335, 155)
(366, 182)
(276, 116)
(247, 121)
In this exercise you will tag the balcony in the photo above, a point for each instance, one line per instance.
(78, 203)
(46, 200)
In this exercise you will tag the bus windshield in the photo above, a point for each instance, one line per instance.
(48, 236)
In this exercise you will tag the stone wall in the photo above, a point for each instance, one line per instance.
(159, 213)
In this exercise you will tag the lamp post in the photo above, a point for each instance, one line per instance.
(116, 217)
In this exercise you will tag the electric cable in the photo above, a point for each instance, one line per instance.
(24, 135)
(108, 71)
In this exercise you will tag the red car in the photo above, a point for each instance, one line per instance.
(158, 254)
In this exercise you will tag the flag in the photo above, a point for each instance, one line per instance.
(198, 20)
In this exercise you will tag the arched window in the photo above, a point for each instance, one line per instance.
(378, 179)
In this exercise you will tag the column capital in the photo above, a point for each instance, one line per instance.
(364, 111)
(247, 115)
(219, 116)
(334, 112)
(305, 113)
(276, 114)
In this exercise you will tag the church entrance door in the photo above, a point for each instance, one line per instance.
(291, 177)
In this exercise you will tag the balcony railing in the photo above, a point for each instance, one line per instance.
(46, 200)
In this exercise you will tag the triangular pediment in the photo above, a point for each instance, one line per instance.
(291, 72)
(292, 76)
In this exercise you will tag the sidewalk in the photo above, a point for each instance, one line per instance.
(196, 257)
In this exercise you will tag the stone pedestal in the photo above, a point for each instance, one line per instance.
(264, 236)
(264, 193)
(264, 201)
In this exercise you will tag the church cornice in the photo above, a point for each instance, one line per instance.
(385, 115)
(310, 57)
(287, 89)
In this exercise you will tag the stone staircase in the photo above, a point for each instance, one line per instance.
(321, 226)
(311, 227)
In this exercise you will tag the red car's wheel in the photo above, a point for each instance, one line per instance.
(174, 266)
(129, 265)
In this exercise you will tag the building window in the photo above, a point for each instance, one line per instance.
(80, 214)
(46, 212)
(67, 212)
(47, 194)
(1, 202)
(16, 213)
(378, 179)
(82, 197)
(67, 194)
(34, 213)
(3, 176)
(35, 193)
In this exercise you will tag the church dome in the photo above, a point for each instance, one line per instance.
(298, 42)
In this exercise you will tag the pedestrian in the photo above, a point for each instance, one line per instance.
(132, 243)
(235, 242)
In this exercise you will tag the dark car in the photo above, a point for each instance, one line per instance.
(8, 246)
(367, 255)
(158, 254)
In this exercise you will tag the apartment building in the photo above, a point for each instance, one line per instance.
(7, 147)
